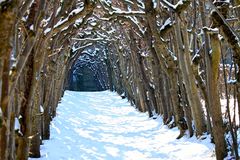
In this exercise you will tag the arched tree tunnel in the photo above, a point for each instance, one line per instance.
(165, 57)
(89, 72)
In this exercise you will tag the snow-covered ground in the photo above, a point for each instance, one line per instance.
(102, 126)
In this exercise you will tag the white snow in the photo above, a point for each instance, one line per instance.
(32, 27)
(213, 30)
(231, 107)
(58, 11)
(17, 124)
(179, 3)
(129, 1)
(0, 112)
(76, 11)
(41, 109)
(47, 30)
(74, 49)
(141, 4)
(61, 22)
(103, 126)
(1, 1)
(166, 23)
(154, 3)
(127, 12)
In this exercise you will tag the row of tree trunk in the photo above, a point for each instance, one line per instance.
(34, 61)
(172, 67)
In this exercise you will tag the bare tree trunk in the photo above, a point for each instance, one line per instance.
(46, 107)
(34, 150)
(212, 64)
(6, 25)
(189, 80)
(178, 110)
(187, 109)
(214, 98)
(22, 152)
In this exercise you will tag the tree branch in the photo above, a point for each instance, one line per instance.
(88, 10)
(230, 35)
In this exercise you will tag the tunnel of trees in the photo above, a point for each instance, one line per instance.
(168, 57)
(89, 73)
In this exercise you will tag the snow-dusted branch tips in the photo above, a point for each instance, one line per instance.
(93, 39)
(179, 7)
(80, 13)
(127, 13)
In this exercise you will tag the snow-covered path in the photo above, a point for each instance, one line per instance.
(102, 126)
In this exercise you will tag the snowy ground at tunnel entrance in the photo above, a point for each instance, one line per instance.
(103, 126)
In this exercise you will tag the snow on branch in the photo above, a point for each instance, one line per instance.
(166, 26)
(92, 39)
(113, 12)
(2, 1)
(24, 7)
(75, 15)
(134, 24)
(81, 47)
(129, 1)
(179, 7)
(230, 35)
(130, 19)
(102, 35)
(1, 115)
(127, 13)
(210, 30)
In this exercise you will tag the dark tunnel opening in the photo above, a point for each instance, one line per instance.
(89, 72)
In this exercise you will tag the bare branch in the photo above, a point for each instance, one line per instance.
(179, 7)
(87, 11)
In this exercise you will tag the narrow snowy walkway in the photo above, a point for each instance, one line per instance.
(102, 126)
